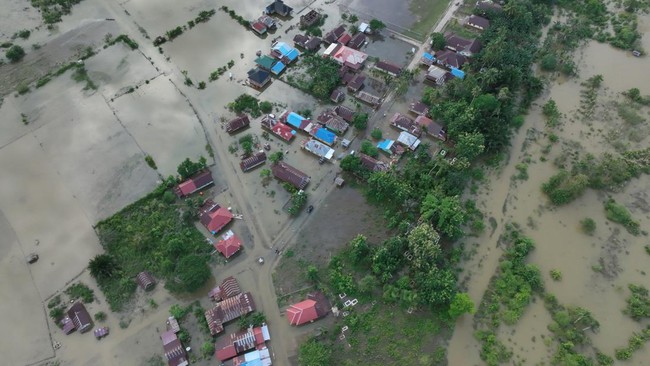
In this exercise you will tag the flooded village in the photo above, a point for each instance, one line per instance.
(329, 182)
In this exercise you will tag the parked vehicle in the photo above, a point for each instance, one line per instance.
(32, 258)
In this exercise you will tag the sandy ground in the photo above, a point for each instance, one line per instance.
(560, 244)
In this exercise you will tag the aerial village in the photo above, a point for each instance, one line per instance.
(367, 79)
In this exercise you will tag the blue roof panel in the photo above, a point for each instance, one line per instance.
(457, 73)
(277, 68)
(428, 56)
(325, 135)
(292, 55)
(294, 119)
(385, 144)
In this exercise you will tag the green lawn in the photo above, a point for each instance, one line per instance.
(433, 10)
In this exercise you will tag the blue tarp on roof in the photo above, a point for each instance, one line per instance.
(287, 51)
(428, 56)
(457, 73)
(295, 120)
(292, 55)
(325, 135)
(277, 68)
(385, 145)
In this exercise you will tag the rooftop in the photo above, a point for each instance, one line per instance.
(291, 175)
(319, 149)
(227, 310)
(229, 244)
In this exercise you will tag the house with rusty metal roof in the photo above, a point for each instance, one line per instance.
(288, 174)
(228, 310)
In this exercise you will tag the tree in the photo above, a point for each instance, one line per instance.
(255, 319)
(359, 249)
(460, 305)
(360, 121)
(100, 316)
(276, 157)
(470, 145)
(369, 149)
(423, 246)
(207, 349)
(15, 53)
(265, 174)
(351, 163)
(266, 107)
(193, 272)
(446, 213)
(367, 284)
(312, 273)
(376, 134)
(376, 25)
(187, 168)
(103, 266)
(438, 41)
(314, 353)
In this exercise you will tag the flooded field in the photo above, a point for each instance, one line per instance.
(596, 270)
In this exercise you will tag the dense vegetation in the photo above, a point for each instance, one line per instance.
(15, 53)
(155, 235)
(249, 104)
(52, 10)
(322, 76)
(638, 304)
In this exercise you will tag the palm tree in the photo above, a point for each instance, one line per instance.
(102, 266)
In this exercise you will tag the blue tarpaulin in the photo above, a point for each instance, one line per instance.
(457, 73)
(286, 51)
(428, 56)
(385, 145)
(325, 135)
(295, 120)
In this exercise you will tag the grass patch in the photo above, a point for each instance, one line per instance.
(151, 234)
(428, 14)
(620, 214)
(629, 115)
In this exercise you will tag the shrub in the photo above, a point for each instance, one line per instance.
(360, 121)
(556, 275)
(24, 34)
(207, 349)
(369, 149)
(100, 316)
(80, 290)
(15, 53)
(55, 301)
(57, 313)
(150, 162)
(638, 304)
(588, 226)
(620, 214)
(266, 107)
(376, 134)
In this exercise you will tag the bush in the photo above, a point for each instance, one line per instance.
(620, 214)
(207, 349)
(55, 301)
(360, 121)
(57, 313)
(556, 275)
(150, 162)
(15, 53)
(638, 304)
(24, 34)
(100, 316)
(563, 187)
(376, 134)
(266, 107)
(369, 149)
(80, 291)
(588, 226)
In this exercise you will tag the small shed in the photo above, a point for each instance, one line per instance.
(101, 332)
(145, 280)
(339, 181)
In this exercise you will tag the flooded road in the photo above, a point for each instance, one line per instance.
(596, 270)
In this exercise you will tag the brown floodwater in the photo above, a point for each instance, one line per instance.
(560, 243)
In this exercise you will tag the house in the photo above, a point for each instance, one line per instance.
(278, 68)
(346, 56)
(285, 53)
(252, 162)
(404, 123)
(337, 96)
(268, 22)
(337, 125)
(242, 341)
(259, 357)
(77, 318)
(229, 244)
(228, 288)
(284, 132)
(346, 74)
(478, 22)
(313, 44)
(309, 19)
(486, 6)
(364, 28)
(449, 59)
(278, 7)
(344, 39)
(438, 75)
(373, 100)
(258, 78)
(386, 145)
(238, 123)
(172, 324)
(427, 59)
(323, 135)
(196, 183)
(288, 174)
(333, 35)
(409, 141)
(431, 128)
(388, 67)
(356, 83)
(295, 120)
(463, 46)
(316, 306)
(174, 350)
(229, 309)
(318, 148)
(357, 41)
(214, 217)
(419, 108)
(300, 40)
(145, 280)
(372, 164)
(344, 112)
(265, 62)
(325, 116)
(258, 27)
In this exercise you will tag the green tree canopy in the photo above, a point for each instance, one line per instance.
(187, 168)
(438, 41)
(102, 266)
(359, 249)
(314, 353)
(15, 53)
(376, 25)
(446, 213)
(460, 305)
(193, 272)
(470, 145)
(424, 249)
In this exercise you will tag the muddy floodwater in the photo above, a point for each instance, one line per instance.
(596, 270)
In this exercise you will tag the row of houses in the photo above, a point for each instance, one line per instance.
(280, 56)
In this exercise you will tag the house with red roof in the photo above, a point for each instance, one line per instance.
(214, 217)
(346, 56)
(194, 184)
(240, 342)
(281, 130)
(229, 244)
(344, 39)
(316, 306)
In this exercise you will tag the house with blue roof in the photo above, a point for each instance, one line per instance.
(427, 59)
(284, 52)
(278, 68)
(324, 135)
(386, 145)
(296, 120)
(457, 73)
